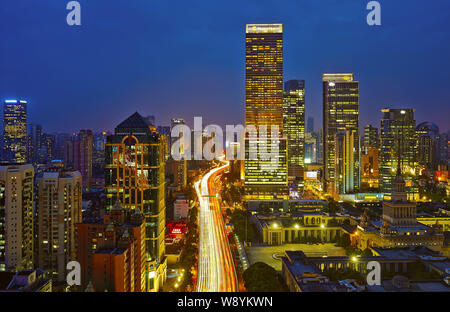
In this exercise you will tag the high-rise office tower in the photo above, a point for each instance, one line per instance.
(265, 173)
(60, 145)
(371, 137)
(294, 126)
(58, 209)
(310, 124)
(34, 142)
(15, 131)
(427, 153)
(82, 155)
(311, 146)
(320, 146)
(134, 175)
(177, 168)
(30, 143)
(16, 217)
(47, 152)
(443, 150)
(340, 112)
(398, 135)
(345, 160)
(166, 132)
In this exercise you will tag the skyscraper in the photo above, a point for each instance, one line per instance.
(81, 150)
(340, 112)
(428, 138)
(16, 217)
(310, 124)
(344, 161)
(265, 174)
(294, 126)
(264, 75)
(177, 168)
(15, 131)
(398, 135)
(371, 137)
(134, 175)
(58, 209)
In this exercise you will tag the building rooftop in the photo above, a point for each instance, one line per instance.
(405, 253)
(134, 121)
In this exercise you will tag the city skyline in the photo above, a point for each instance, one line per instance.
(89, 75)
(148, 150)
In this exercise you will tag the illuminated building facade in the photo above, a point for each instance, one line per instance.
(16, 217)
(398, 226)
(370, 178)
(58, 209)
(15, 131)
(340, 112)
(398, 133)
(371, 137)
(345, 161)
(265, 176)
(427, 149)
(178, 168)
(294, 126)
(135, 175)
(311, 147)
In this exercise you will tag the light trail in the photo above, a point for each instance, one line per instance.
(216, 271)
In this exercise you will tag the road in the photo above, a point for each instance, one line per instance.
(216, 271)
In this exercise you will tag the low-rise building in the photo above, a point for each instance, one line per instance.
(282, 228)
(33, 280)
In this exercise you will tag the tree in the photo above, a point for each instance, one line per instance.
(261, 277)
(241, 223)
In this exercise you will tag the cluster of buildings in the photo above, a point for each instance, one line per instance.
(42, 223)
(24, 142)
(338, 159)
(311, 274)
(384, 168)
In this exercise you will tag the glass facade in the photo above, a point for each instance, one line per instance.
(264, 107)
(398, 135)
(340, 112)
(15, 131)
(294, 125)
(135, 175)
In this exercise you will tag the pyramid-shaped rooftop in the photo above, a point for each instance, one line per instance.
(134, 121)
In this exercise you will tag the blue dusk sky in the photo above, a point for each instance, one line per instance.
(186, 58)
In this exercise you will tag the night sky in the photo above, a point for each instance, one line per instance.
(186, 58)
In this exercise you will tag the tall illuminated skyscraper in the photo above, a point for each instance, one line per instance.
(294, 126)
(265, 176)
(264, 75)
(344, 161)
(340, 112)
(371, 137)
(398, 135)
(15, 131)
(134, 175)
